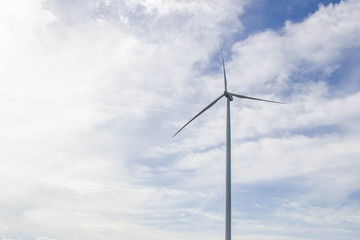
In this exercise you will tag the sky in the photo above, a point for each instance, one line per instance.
(92, 92)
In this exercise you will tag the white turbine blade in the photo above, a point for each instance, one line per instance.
(209, 106)
(252, 98)
(225, 82)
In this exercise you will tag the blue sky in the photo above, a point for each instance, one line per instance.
(93, 90)
(262, 15)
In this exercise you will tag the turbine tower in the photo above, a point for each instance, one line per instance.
(229, 97)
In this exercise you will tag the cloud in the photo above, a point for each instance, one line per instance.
(92, 92)
(318, 44)
(80, 97)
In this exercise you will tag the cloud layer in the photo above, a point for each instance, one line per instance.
(92, 92)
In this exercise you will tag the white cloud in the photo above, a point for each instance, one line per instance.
(92, 92)
(76, 92)
(268, 59)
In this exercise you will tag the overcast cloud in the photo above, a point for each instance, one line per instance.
(93, 90)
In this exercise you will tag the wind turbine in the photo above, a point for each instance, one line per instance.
(229, 97)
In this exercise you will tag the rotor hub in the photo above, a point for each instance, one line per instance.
(228, 95)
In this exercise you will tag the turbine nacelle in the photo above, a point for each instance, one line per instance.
(228, 95)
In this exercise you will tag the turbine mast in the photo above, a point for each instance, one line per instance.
(229, 98)
(228, 174)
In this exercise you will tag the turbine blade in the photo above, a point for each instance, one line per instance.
(252, 98)
(209, 106)
(225, 82)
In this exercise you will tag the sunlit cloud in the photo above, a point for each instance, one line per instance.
(92, 92)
